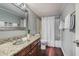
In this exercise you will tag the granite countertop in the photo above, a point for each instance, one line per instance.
(8, 49)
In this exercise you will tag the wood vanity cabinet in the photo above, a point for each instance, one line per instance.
(31, 50)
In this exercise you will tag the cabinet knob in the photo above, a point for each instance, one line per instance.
(30, 53)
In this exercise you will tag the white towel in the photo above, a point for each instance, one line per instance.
(61, 25)
(67, 22)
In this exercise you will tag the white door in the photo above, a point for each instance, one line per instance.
(77, 28)
(68, 37)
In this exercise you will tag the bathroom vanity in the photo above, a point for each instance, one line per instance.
(28, 48)
(32, 49)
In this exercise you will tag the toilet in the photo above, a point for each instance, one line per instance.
(43, 44)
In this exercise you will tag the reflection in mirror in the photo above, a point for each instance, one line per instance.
(11, 21)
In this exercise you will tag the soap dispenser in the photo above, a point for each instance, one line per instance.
(28, 35)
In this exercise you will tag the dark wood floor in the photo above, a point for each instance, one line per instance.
(52, 51)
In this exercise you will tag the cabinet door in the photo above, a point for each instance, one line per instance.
(34, 51)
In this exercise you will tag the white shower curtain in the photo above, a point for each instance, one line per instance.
(48, 30)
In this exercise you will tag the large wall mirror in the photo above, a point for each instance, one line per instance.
(13, 17)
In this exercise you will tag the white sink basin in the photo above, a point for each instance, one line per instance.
(20, 41)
